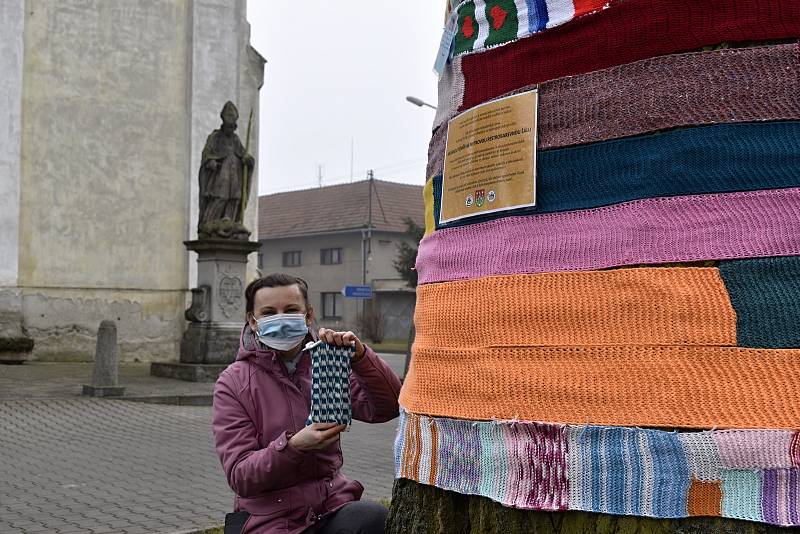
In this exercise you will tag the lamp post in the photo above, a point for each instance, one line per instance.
(419, 102)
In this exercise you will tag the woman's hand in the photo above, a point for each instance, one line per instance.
(343, 339)
(316, 436)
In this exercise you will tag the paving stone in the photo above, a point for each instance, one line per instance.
(81, 465)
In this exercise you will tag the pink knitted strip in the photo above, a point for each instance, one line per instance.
(747, 449)
(651, 231)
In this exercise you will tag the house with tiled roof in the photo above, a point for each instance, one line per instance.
(344, 235)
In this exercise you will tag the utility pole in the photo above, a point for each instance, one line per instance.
(366, 238)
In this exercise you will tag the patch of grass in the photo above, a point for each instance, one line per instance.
(397, 346)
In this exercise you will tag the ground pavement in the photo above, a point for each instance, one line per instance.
(72, 464)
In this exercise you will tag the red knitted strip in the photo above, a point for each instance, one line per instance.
(626, 32)
(794, 449)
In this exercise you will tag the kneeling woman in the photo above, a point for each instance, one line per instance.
(287, 475)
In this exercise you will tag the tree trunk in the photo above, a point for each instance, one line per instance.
(420, 509)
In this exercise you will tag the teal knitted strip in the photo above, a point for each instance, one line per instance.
(722, 158)
(765, 293)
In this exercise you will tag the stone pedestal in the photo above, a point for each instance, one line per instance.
(217, 313)
(105, 377)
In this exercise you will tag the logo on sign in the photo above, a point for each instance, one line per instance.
(479, 197)
(469, 201)
(491, 196)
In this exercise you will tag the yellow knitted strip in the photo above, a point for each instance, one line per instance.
(427, 195)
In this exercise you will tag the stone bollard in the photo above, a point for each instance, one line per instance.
(105, 374)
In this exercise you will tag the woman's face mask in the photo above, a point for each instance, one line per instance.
(282, 331)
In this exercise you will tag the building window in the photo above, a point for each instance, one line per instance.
(260, 260)
(291, 258)
(331, 305)
(330, 256)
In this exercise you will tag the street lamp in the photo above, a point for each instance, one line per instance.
(419, 102)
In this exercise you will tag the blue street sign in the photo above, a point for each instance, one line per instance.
(357, 292)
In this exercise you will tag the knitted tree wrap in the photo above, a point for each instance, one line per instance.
(567, 359)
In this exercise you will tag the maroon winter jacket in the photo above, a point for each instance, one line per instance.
(258, 406)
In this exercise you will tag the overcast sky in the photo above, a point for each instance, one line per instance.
(338, 71)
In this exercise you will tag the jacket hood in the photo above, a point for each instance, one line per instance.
(249, 346)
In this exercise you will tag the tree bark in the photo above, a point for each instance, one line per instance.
(421, 509)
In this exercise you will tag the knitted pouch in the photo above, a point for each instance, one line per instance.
(330, 385)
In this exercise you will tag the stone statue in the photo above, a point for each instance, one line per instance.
(226, 173)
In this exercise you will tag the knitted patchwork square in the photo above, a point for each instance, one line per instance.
(794, 449)
(538, 460)
(628, 472)
(459, 466)
(330, 385)
(747, 449)
(705, 498)
(702, 454)
(781, 496)
(741, 494)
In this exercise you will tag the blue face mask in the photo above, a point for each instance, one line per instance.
(283, 331)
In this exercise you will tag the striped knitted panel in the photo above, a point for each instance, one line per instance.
(330, 385)
(699, 88)
(709, 159)
(626, 32)
(652, 231)
(766, 295)
(518, 465)
(483, 24)
(399, 446)
(624, 471)
(649, 386)
(739, 449)
(644, 306)
(632, 472)
(781, 496)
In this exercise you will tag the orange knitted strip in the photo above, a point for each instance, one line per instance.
(650, 386)
(644, 306)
